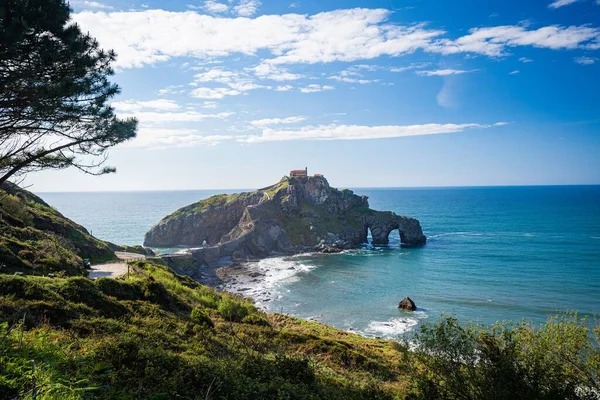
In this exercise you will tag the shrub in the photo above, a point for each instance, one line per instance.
(255, 319)
(14, 207)
(209, 301)
(557, 361)
(200, 317)
(233, 310)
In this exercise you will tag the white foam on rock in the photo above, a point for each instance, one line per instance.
(392, 327)
(263, 280)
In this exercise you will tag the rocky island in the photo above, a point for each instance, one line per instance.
(297, 214)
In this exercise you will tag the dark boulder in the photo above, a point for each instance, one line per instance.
(407, 304)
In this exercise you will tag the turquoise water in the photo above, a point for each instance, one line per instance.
(492, 254)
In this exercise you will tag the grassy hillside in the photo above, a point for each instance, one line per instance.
(156, 335)
(161, 336)
(37, 239)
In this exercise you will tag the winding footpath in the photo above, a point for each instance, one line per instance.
(115, 268)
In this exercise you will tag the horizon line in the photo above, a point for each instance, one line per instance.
(340, 187)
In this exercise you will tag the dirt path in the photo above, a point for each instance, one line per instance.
(115, 268)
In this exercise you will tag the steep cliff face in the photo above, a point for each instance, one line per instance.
(296, 214)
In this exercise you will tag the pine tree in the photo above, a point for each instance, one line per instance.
(54, 93)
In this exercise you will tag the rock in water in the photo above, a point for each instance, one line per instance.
(295, 215)
(407, 304)
(331, 250)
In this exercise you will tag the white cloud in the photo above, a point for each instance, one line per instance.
(366, 67)
(156, 120)
(284, 88)
(584, 60)
(274, 72)
(158, 138)
(213, 93)
(561, 3)
(525, 60)
(238, 82)
(92, 4)
(444, 72)
(355, 74)
(209, 104)
(350, 35)
(261, 123)
(215, 7)
(247, 8)
(135, 105)
(494, 41)
(515, 72)
(410, 67)
(172, 89)
(353, 80)
(152, 117)
(218, 75)
(313, 88)
(152, 36)
(356, 132)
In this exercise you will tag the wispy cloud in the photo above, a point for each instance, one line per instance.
(157, 119)
(135, 105)
(92, 4)
(355, 74)
(274, 72)
(495, 41)
(215, 7)
(357, 132)
(213, 93)
(160, 138)
(172, 89)
(284, 88)
(239, 83)
(561, 3)
(584, 60)
(410, 67)
(515, 72)
(313, 88)
(346, 79)
(247, 8)
(444, 72)
(261, 123)
(525, 60)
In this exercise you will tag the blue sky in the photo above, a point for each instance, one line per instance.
(235, 93)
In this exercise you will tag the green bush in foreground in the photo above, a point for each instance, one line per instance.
(507, 361)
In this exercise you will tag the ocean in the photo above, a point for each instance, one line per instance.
(493, 254)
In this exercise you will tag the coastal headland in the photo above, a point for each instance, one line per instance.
(297, 214)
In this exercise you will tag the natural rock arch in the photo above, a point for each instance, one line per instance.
(382, 224)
